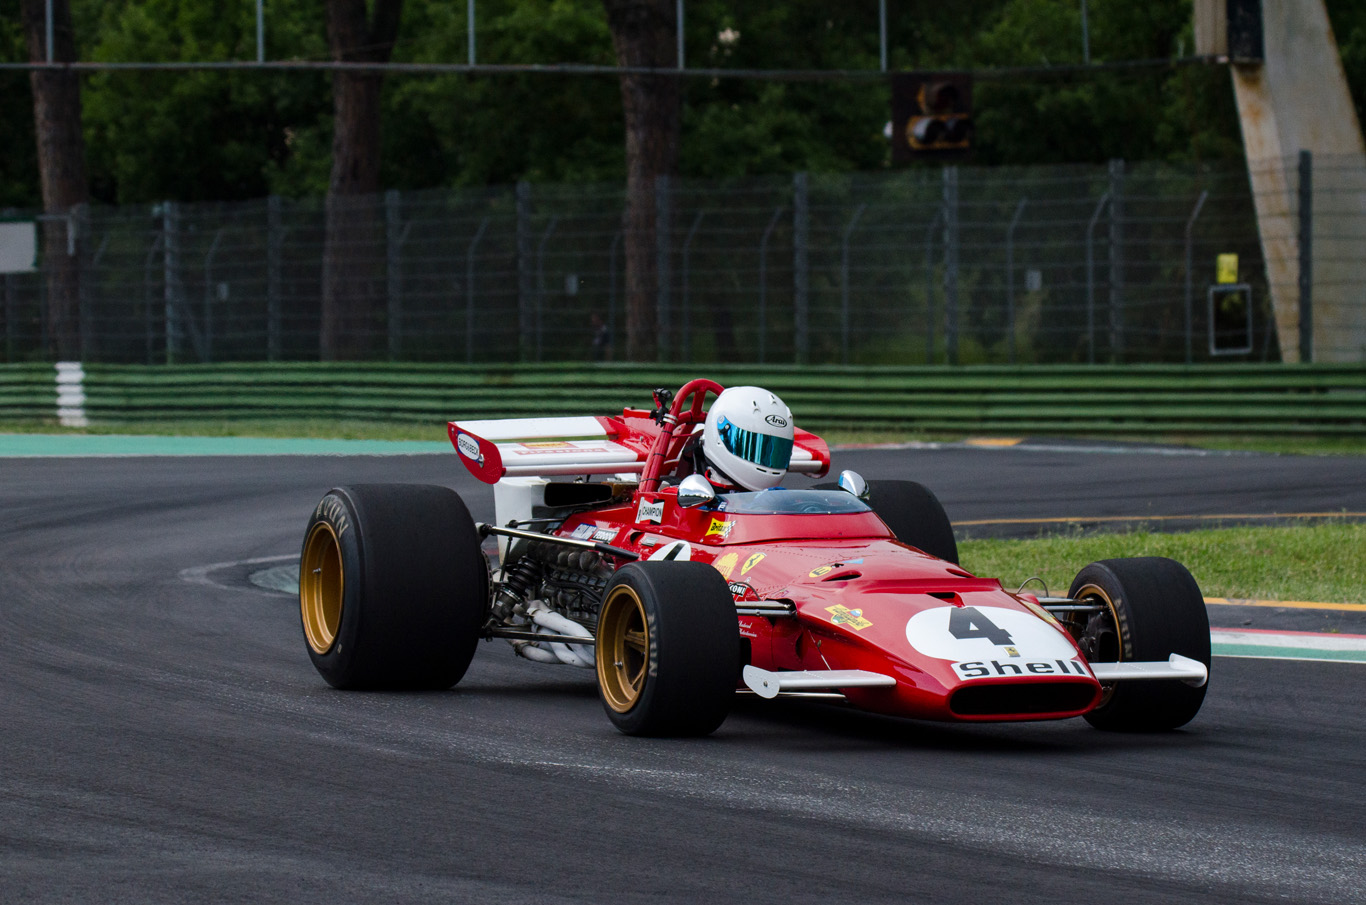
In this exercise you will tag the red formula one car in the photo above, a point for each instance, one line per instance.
(614, 557)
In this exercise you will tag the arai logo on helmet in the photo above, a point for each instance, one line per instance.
(776, 420)
(469, 448)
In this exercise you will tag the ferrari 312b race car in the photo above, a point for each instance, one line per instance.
(629, 545)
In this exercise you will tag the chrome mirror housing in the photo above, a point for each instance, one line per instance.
(695, 490)
(853, 482)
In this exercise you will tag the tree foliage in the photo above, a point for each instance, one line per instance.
(221, 135)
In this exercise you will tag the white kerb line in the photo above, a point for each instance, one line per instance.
(71, 394)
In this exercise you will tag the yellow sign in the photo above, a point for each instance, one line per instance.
(726, 564)
(819, 571)
(720, 528)
(844, 616)
(1226, 269)
(752, 562)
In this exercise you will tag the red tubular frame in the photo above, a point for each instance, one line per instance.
(698, 389)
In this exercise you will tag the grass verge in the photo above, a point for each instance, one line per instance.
(327, 428)
(1318, 561)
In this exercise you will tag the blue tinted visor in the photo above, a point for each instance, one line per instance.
(764, 450)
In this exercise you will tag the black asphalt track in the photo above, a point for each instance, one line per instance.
(164, 738)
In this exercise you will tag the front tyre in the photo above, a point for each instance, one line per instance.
(915, 516)
(393, 587)
(1152, 608)
(668, 648)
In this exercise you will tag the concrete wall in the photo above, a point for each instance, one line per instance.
(1298, 100)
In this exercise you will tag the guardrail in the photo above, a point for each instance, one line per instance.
(1129, 400)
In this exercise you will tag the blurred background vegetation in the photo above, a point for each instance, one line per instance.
(207, 135)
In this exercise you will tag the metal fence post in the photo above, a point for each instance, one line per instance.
(149, 297)
(79, 225)
(1116, 260)
(1010, 279)
(685, 303)
(612, 284)
(929, 284)
(1190, 269)
(206, 350)
(763, 283)
(1091, 280)
(540, 286)
(525, 277)
(1306, 230)
(275, 236)
(171, 284)
(9, 318)
(844, 282)
(801, 225)
(395, 234)
(663, 246)
(951, 264)
(469, 290)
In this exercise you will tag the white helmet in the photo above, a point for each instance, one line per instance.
(748, 437)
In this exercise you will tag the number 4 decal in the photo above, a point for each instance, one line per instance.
(968, 622)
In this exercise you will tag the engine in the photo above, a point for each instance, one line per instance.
(554, 590)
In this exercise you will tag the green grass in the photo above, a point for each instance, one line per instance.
(1318, 561)
(291, 428)
(395, 430)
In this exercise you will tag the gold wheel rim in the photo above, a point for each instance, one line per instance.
(1095, 592)
(623, 649)
(321, 585)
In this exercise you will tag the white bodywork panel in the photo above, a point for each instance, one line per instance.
(768, 684)
(576, 446)
(1192, 672)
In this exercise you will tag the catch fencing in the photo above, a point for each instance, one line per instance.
(958, 265)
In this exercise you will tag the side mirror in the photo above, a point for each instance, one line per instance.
(695, 490)
(852, 482)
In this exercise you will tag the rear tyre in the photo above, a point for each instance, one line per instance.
(668, 645)
(393, 587)
(915, 517)
(1153, 609)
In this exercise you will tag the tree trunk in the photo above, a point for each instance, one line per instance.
(61, 169)
(353, 252)
(644, 34)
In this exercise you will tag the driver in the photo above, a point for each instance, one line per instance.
(746, 441)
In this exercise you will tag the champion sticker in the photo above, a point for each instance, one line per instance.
(726, 564)
(752, 562)
(851, 618)
(469, 448)
(650, 512)
(677, 551)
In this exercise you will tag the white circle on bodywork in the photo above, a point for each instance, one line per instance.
(930, 632)
(677, 551)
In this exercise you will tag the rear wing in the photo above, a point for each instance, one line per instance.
(534, 447)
